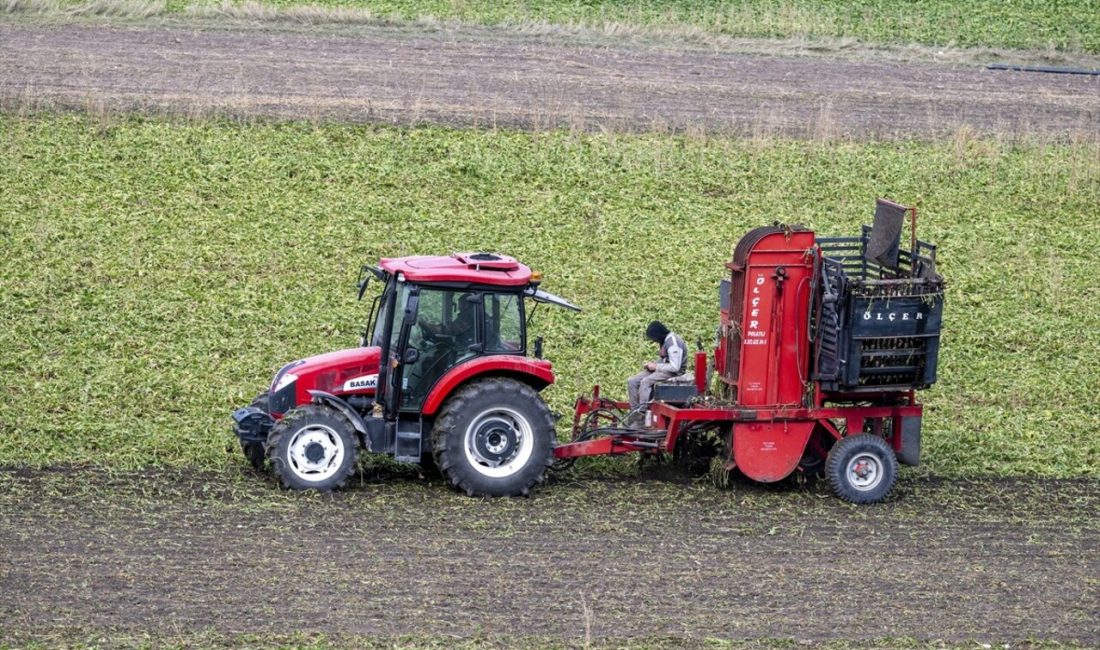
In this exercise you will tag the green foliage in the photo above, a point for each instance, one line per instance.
(156, 273)
(1072, 25)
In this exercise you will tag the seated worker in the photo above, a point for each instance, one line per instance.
(669, 364)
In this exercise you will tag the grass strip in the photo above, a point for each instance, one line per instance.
(1066, 26)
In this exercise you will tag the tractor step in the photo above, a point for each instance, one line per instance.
(407, 444)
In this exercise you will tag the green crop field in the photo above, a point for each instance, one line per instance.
(1072, 25)
(1065, 26)
(157, 272)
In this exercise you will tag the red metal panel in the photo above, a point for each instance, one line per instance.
(774, 359)
(701, 372)
(537, 372)
(786, 419)
(770, 451)
(765, 414)
(330, 371)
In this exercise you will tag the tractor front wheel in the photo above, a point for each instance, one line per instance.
(313, 448)
(494, 437)
(861, 468)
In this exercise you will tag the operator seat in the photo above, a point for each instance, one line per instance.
(676, 390)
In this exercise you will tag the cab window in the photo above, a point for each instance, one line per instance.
(447, 332)
(504, 323)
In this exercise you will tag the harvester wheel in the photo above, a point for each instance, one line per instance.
(816, 455)
(861, 468)
(494, 437)
(313, 448)
(256, 452)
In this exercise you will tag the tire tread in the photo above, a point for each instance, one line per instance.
(837, 462)
(288, 424)
(461, 403)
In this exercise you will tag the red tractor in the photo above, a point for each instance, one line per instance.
(457, 387)
(822, 345)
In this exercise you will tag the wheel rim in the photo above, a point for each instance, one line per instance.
(864, 472)
(499, 442)
(316, 452)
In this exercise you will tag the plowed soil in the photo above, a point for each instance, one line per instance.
(488, 78)
(990, 561)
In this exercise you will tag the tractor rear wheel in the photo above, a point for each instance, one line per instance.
(256, 452)
(313, 448)
(861, 468)
(494, 437)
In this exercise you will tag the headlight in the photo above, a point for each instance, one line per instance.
(284, 381)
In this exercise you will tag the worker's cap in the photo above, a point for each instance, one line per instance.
(656, 331)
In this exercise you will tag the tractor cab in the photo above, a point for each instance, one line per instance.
(436, 313)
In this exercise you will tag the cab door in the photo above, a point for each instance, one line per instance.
(449, 330)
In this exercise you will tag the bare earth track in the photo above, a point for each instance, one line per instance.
(992, 560)
(489, 79)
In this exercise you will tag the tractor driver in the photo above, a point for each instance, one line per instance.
(461, 332)
(670, 363)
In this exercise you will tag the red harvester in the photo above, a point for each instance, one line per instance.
(822, 345)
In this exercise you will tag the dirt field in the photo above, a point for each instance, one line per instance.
(991, 561)
(487, 79)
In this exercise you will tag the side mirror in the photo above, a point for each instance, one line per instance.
(365, 273)
(411, 356)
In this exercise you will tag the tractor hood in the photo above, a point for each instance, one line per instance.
(352, 371)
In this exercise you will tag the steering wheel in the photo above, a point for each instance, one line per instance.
(432, 333)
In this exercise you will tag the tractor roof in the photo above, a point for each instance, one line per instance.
(478, 268)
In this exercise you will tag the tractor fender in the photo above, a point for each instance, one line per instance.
(321, 397)
(372, 431)
(536, 372)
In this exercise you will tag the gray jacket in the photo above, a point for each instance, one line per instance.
(673, 355)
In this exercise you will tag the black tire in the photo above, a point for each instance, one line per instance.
(816, 455)
(861, 468)
(313, 448)
(256, 452)
(494, 437)
(812, 465)
(428, 468)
